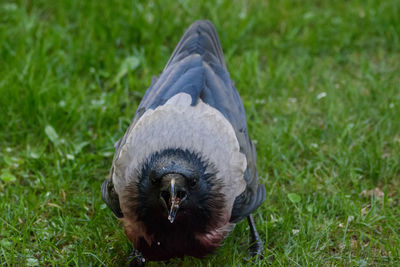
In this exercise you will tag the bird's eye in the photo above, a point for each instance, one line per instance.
(193, 182)
(153, 177)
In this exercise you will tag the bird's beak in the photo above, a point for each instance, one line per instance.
(173, 200)
(172, 194)
(176, 197)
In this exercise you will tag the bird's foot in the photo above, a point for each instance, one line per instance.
(136, 259)
(256, 245)
(257, 249)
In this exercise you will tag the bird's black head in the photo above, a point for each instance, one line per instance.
(176, 188)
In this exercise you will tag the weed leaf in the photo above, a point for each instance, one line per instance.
(294, 198)
(52, 134)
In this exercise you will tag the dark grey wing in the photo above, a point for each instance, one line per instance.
(219, 92)
(110, 197)
(197, 67)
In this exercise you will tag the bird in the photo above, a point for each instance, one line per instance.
(184, 173)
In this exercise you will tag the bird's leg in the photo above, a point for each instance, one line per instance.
(256, 246)
(136, 259)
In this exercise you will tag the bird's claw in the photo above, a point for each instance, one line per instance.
(257, 250)
(136, 259)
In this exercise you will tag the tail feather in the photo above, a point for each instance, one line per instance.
(201, 38)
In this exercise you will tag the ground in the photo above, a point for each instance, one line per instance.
(320, 84)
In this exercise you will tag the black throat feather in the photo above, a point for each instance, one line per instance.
(201, 213)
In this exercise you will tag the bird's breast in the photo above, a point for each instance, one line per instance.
(174, 241)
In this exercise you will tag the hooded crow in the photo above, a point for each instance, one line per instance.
(185, 172)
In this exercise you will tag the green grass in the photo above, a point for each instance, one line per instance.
(321, 87)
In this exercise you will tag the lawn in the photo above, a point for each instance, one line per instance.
(320, 82)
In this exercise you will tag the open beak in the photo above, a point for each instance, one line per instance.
(172, 194)
(173, 198)
(173, 201)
